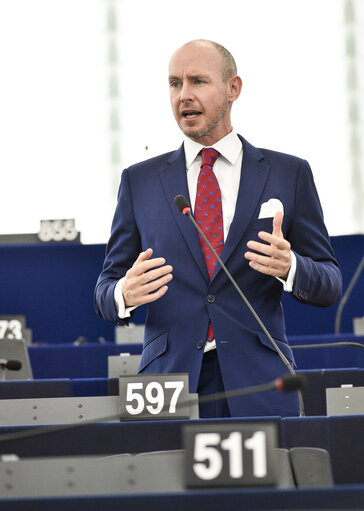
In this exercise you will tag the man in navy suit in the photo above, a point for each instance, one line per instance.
(274, 240)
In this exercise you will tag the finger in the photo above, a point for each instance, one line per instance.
(151, 275)
(152, 297)
(275, 266)
(273, 262)
(277, 224)
(143, 256)
(262, 268)
(267, 265)
(134, 282)
(153, 286)
(259, 259)
(149, 292)
(278, 241)
(145, 266)
(263, 248)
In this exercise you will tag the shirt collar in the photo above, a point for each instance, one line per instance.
(229, 147)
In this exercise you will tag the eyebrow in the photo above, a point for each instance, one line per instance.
(173, 78)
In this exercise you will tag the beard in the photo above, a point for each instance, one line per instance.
(202, 132)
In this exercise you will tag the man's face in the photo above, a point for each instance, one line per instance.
(199, 96)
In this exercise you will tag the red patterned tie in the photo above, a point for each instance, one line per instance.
(208, 213)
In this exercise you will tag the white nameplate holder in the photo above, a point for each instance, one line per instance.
(154, 396)
(227, 455)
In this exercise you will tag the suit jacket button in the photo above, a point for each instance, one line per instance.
(302, 294)
(200, 344)
(211, 298)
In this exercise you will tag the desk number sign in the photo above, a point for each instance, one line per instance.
(58, 230)
(12, 327)
(154, 396)
(237, 454)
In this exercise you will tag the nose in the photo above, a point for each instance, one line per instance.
(186, 93)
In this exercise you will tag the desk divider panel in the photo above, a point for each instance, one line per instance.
(161, 472)
(70, 410)
(88, 475)
(59, 410)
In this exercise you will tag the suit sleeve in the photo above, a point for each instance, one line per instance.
(122, 250)
(318, 277)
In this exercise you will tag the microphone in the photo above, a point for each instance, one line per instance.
(289, 382)
(183, 206)
(12, 365)
(286, 383)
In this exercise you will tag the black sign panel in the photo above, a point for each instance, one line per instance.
(239, 454)
(154, 396)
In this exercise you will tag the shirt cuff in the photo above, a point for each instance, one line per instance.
(122, 311)
(288, 284)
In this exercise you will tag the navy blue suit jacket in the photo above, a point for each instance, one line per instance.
(176, 324)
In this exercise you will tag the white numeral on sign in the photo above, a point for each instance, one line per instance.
(58, 230)
(209, 459)
(10, 329)
(204, 452)
(131, 395)
(257, 444)
(154, 395)
(233, 444)
(178, 387)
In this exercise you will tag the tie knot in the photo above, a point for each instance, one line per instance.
(209, 156)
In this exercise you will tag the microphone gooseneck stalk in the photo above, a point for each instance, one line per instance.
(346, 295)
(285, 383)
(182, 205)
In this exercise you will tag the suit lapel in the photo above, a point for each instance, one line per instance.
(254, 174)
(174, 182)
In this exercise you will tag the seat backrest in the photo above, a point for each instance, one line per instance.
(311, 466)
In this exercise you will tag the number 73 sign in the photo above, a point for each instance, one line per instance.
(235, 454)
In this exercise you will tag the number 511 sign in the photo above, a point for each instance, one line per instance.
(236, 454)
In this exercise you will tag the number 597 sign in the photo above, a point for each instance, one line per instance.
(154, 396)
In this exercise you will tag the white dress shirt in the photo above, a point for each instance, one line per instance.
(227, 169)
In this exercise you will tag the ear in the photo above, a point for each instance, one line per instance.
(235, 86)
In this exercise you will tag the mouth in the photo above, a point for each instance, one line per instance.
(191, 114)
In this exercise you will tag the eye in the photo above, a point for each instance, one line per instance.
(175, 84)
(198, 81)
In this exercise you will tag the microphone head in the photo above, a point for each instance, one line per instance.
(13, 365)
(182, 204)
(290, 382)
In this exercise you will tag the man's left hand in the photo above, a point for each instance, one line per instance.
(273, 258)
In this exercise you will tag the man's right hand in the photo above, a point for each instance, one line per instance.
(146, 280)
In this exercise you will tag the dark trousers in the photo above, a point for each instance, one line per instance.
(210, 382)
